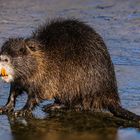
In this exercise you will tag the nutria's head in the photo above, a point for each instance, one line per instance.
(18, 59)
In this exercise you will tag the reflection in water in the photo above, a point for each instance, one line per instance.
(65, 126)
(69, 126)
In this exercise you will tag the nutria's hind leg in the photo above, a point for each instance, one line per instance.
(57, 105)
(54, 107)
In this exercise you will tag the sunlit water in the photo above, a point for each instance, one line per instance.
(118, 22)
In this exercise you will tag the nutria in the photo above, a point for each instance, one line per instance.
(65, 60)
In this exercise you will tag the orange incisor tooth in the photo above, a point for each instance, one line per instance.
(3, 72)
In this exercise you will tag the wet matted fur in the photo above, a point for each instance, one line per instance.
(67, 60)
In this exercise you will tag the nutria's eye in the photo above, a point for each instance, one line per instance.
(22, 50)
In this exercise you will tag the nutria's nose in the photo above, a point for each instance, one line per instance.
(4, 58)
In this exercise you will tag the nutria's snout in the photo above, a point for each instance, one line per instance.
(4, 58)
(6, 70)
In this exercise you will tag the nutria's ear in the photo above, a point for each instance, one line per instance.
(32, 45)
(22, 50)
(31, 48)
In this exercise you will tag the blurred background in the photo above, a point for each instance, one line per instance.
(117, 21)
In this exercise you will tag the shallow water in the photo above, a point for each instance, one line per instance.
(118, 22)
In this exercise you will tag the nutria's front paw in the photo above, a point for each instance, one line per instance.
(1, 110)
(5, 110)
(23, 113)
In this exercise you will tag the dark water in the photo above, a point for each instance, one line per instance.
(119, 23)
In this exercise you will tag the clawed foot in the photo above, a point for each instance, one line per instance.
(53, 107)
(23, 113)
(5, 110)
(19, 113)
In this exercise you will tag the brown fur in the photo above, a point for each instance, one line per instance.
(68, 61)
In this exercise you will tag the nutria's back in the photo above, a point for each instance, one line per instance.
(84, 62)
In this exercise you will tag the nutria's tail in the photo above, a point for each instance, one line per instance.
(118, 111)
